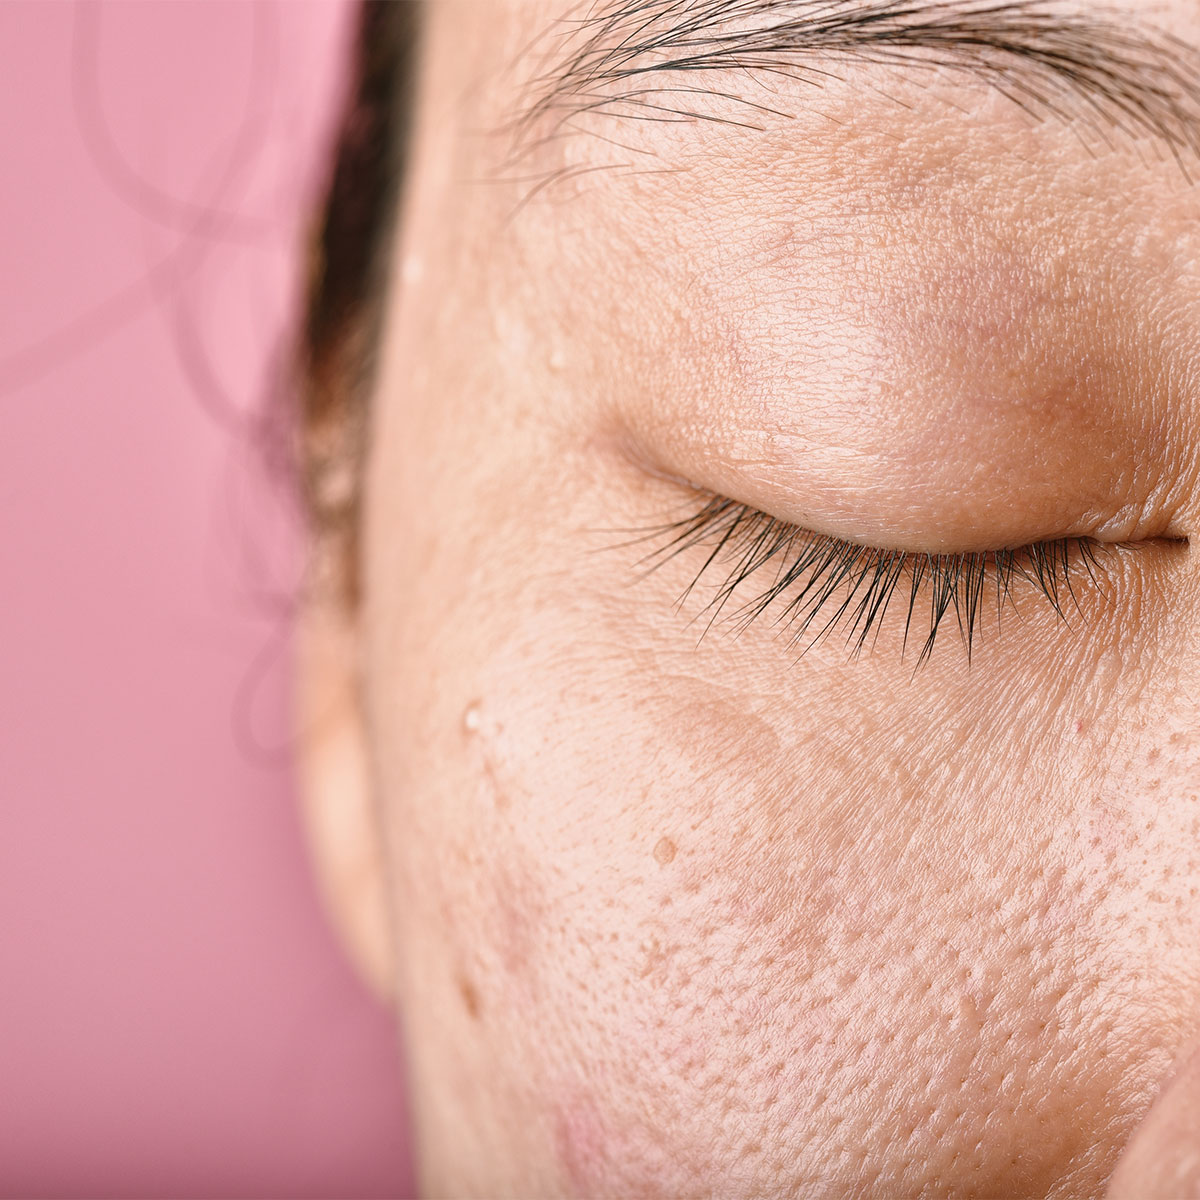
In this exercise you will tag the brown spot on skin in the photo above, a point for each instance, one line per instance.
(664, 852)
(470, 997)
(518, 915)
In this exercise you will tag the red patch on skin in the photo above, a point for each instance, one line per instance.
(580, 1140)
(611, 1151)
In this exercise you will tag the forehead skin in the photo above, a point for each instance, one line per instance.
(683, 917)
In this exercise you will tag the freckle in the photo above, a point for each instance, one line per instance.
(471, 719)
(664, 851)
(470, 997)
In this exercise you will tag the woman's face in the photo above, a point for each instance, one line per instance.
(689, 906)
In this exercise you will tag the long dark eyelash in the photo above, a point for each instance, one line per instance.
(817, 584)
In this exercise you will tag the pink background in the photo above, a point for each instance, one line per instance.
(176, 1018)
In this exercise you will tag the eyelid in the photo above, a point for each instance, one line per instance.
(943, 496)
(822, 583)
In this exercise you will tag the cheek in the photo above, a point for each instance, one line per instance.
(693, 939)
(677, 923)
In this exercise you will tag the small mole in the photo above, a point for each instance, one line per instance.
(470, 720)
(664, 851)
(470, 997)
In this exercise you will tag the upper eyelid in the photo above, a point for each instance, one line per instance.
(957, 582)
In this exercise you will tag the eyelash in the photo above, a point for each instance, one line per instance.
(813, 571)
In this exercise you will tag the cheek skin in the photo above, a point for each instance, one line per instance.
(675, 925)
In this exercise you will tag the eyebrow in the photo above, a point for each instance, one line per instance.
(637, 58)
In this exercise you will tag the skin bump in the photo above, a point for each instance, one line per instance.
(664, 851)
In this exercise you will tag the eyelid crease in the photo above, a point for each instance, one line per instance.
(819, 583)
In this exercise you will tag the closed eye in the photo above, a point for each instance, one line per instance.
(814, 585)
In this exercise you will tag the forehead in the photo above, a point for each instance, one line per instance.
(958, 124)
(548, 63)
(814, 100)
(653, 59)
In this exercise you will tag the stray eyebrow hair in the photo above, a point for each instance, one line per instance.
(1099, 68)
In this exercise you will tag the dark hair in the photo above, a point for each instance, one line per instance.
(347, 279)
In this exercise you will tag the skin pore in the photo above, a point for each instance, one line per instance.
(673, 906)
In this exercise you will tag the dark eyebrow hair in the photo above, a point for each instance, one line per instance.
(1100, 69)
